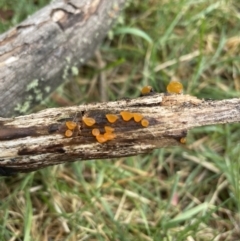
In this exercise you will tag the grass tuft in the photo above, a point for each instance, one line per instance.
(183, 193)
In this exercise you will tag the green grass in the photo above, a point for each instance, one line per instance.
(14, 11)
(181, 193)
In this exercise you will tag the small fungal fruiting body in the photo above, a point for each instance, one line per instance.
(146, 90)
(101, 139)
(126, 115)
(137, 117)
(109, 136)
(71, 125)
(108, 129)
(183, 140)
(88, 121)
(175, 87)
(144, 123)
(95, 132)
(111, 118)
(68, 133)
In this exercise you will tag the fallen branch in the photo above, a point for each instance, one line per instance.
(46, 49)
(35, 141)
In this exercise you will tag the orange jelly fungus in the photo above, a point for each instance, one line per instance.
(95, 132)
(109, 136)
(144, 123)
(71, 125)
(175, 87)
(126, 115)
(108, 129)
(68, 133)
(101, 139)
(111, 117)
(88, 121)
(146, 90)
(183, 140)
(137, 117)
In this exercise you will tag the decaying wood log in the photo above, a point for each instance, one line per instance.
(35, 141)
(40, 53)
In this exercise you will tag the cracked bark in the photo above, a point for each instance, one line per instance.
(40, 53)
(35, 141)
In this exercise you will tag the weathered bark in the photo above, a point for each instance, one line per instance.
(41, 52)
(35, 141)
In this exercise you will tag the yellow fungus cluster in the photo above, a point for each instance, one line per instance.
(127, 116)
(109, 131)
(112, 118)
(107, 136)
(173, 87)
(101, 138)
(71, 126)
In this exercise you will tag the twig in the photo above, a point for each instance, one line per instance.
(35, 141)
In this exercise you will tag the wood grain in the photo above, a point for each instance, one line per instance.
(35, 141)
